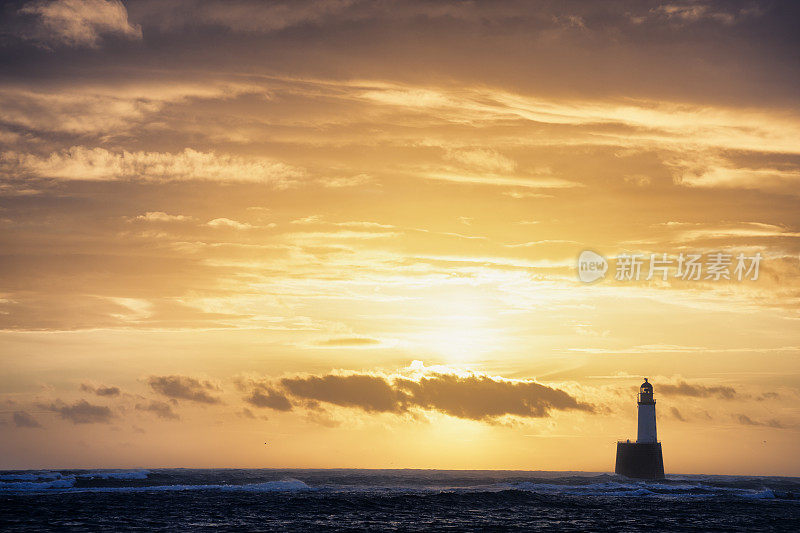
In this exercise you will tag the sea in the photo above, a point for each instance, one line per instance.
(394, 500)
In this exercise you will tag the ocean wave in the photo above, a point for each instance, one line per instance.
(31, 476)
(289, 485)
(389, 485)
(25, 486)
(765, 494)
(121, 475)
(45, 480)
(644, 489)
(46, 475)
(68, 483)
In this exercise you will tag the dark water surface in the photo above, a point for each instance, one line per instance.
(407, 500)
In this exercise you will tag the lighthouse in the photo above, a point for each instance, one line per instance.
(647, 414)
(642, 459)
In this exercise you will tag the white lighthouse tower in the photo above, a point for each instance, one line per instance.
(642, 459)
(647, 414)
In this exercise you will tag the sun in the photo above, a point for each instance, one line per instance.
(461, 326)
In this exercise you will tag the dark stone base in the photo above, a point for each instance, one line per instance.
(640, 460)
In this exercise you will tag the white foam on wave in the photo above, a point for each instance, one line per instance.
(49, 480)
(272, 486)
(608, 487)
(288, 485)
(643, 488)
(32, 476)
(764, 494)
(26, 486)
(672, 489)
(121, 474)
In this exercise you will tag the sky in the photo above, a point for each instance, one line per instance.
(346, 233)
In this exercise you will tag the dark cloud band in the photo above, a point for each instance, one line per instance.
(472, 397)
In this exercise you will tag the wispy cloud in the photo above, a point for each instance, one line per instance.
(228, 223)
(106, 108)
(349, 341)
(747, 421)
(691, 12)
(101, 390)
(185, 388)
(99, 164)
(78, 23)
(682, 388)
(82, 412)
(160, 216)
(483, 158)
(23, 419)
(160, 409)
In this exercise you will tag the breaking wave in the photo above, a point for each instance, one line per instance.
(114, 481)
(395, 483)
(414, 500)
(643, 489)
